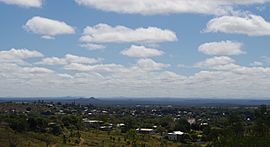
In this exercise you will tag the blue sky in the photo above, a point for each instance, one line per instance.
(218, 49)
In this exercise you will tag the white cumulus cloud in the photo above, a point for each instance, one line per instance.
(222, 48)
(256, 63)
(24, 3)
(107, 68)
(215, 62)
(150, 65)
(92, 46)
(141, 52)
(36, 70)
(48, 28)
(251, 25)
(68, 59)
(103, 33)
(18, 55)
(151, 7)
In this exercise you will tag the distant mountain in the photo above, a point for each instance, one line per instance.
(143, 101)
(91, 100)
(182, 101)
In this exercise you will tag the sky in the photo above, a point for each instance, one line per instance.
(135, 48)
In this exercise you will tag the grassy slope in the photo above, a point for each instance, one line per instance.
(89, 138)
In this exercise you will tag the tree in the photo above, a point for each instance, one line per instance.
(130, 123)
(18, 123)
(57, 130)
(37, 123)
(261, 127)
(182, 125)
(28, 109)
(64, 139)
(132, 135)
(167, 122)
(12, 140)
(72, 121)
(236, 124)
(47, 138)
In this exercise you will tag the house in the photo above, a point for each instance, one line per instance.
(204, 124)
(175, 136)
(145, 131)
(120, 125)
(191, 121)
(105, 128)
(92, 123)
(85, 120)
(52, 124)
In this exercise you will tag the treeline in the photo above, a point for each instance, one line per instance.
(235, 131)
(66, 127)
(22, 123)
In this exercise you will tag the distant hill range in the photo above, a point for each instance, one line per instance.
(143, 101)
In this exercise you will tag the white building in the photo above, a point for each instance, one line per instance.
(145, 131)
(174, 136)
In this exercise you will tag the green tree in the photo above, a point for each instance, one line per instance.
(18, 123)
(182, 125)
(132, 135)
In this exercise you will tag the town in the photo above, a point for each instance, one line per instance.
(44, 123)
